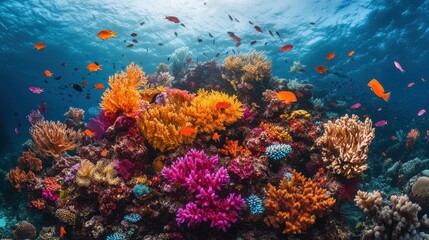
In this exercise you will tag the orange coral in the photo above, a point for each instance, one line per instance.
(412, 138)
(53, 138)
(232, 148)
(276, 133)
(51, 184)
(296, 203)
(124, 97)
(29, 160)
(39, 204)
(18, 178)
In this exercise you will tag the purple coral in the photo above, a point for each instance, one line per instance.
(124, 168)
(46, 194)
(197, 173)
(35, 117)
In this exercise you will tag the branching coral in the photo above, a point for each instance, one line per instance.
(296, 203)
(53, 138)
(399, 220)
(344, 145)
(19, 178)
(123, 97)
(248, 67)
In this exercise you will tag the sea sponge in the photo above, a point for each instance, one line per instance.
(65, 216)
(53, 138)
(123, 97)
(344, 145)
(206, 114)
(296, 114)
(296, 203)
(420, 191)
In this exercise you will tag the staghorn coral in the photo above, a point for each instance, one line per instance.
(53, 138)
(123, 97)
(248, 67)
(65, 216)
(28, 160)
(232, 148)
(344, 145)
(296, 203)
(207, 117)
(24, 230)
(399, 220)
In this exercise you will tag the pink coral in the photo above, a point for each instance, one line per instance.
(197, 173)
(242, 167)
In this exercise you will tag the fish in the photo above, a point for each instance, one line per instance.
(410, 84)
(350, 53)
(210, 35)
(217, 54)
(216, 137)
(258, 29)
(223, 105)
(142, 23)
(393, 138)
(421, 112)
(237, 44)
(236, 20)
(16, 131)
(63, 64)
(161, 98)
(48, 73)
(130, 45)
(183, 25)
(133, 34)
(104, 153)
(175, 34)
(381, 123)
(172, 19)
(286, 96)
(398, 66)
(188, 131)
(266, 43)
(230, 18)
(286, 48)
(378, 89)
(300, 70)
(168, 59)
(199, 39)
(330, 56)
(233, 51)
(98, 86)
(135, 41)
(253, 42)
(312, 23)
(77, 87)
(161, 44)
(92, 67)
(57, 78)
(89, 133)
(84, 83)
(106, 34)
(278, 34)
(321, 69)
(188, 60)
(251, 22)
(271, 33)
(355, 106)
(39, 46)
(36, 90)
(214, 41)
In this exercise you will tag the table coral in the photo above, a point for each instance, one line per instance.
(53, 138)
(123, 97)
(296, 203)
(344, 145)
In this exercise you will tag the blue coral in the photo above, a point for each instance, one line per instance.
(140, 190)
(278, 151)
(117, 236)
(255, 204)
(133, 217)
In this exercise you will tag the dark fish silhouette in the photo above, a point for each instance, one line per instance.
(130, 45)
(142, 23)
(161, 44)
(57, 78)
(63, 64)
(175, 34)
(135, 41)
(251, 22)
(133, 34)
(236, 20)
(210, 35)
(77, 88)
(278, 34)
(271, 33)
(183, 25)
(252, 42)
(230, 18)
(200, 40)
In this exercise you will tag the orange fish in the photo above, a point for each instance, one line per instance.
(48, 73)
(89, 133)
(84, 83)
(92, 67)
(378, 90)
(62, 232)
(188, 131)
(330, 56)
(98, 86)
(39, 46)
(410, 84)
(104, 153)
(350, 53)
(222, 105)
(172, 19)
(321, 69)
(287, 96)
(106, 34)
(216, 137)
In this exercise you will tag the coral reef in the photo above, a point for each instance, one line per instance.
(344, 145)
(248, 67)
(24, 230)
(420, 191)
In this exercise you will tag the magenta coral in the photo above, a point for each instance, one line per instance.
(124, 168)
(197, 173)
(46, 194)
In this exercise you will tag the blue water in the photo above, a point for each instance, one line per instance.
(380, 32)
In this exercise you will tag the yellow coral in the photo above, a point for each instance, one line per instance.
(296, 114)
(344, 145)
(84, 175)
(105, 172)
(296, 203)
(207, 117)
(276, 133)
(53, 138)
(123, 97)
(248, 67)
(148, 93)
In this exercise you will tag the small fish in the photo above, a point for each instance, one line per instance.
(210, 35)
(36, 90)
(398, 66)
(57, 78)
(188, 131)
(266, 43)
(16, 131)
(84, 83)
(230, 18)
(216, 137)
(421, 112)
(312, 23)
(350, 53)
(287, 96)
(355, 106)
(199, 40)
(77, 87)
(233, 51)
(330, 56)
(89, 133)
(258, 29)
(278, 34)
(133, 34)
(321, 69)
(130, 45)
(135, 41)
(378, 89)
(39, 46)
(175, 34)
(168, 59)
(365, 116)
(271, 33)
(286, 48)
(161, 44)
(48, 73)
(188, 60)
(172, 19)
(142, 23)
(75, 69)
(236, 20)
(98, 86)
(214, 41)
(410, 84)
(161, 98)
(381, 123)
(183, 25)
(217, 54)
(92, 67)
(393, 138)
(423, 79)
(253, 42)
(106, 34)
(237, 44)
(302, 70)
(104, 153)
(63, 64)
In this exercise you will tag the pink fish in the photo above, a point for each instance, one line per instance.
(16, 131)
(421, 112)
(356, 105)
(381, 123)
(36, 90)
(398, 66)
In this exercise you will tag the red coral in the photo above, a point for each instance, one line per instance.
(18, 178)
(51, 184)
(28, 160)
(38, 203)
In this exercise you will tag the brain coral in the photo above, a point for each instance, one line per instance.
(420, 191)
